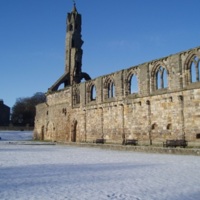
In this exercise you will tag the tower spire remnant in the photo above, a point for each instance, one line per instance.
(73, 52)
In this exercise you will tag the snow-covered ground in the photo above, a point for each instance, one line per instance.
(16, 135)
(58, 172)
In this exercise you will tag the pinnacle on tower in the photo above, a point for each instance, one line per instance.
(74, 8)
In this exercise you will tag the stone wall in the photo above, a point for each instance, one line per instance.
(160, 109)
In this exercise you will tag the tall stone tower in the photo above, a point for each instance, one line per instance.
(73, 59)
(73, 62)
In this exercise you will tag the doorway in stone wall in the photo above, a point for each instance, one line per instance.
(42, 133)
(73, 131)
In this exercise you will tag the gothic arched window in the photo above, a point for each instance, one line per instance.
(133, 89)
(194, 70)
(109, 87)
(161, 78)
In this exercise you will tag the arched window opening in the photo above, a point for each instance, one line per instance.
(195, 70)
(93, 93)
(111, 90)
(133, 84)
(161, 78)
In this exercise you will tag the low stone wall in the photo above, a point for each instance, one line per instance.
(143, 149)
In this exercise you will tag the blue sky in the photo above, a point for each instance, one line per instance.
(117, 34)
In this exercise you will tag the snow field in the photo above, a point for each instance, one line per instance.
(30, 172)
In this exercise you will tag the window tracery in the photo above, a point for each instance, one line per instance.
(159, 77)
(109, 88)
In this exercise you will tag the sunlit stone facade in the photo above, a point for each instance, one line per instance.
(151, 102)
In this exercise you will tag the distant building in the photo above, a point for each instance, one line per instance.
(4, 114)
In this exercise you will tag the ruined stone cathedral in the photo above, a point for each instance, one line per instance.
(150, 102)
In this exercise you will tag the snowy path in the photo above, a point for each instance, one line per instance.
(30, 172)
